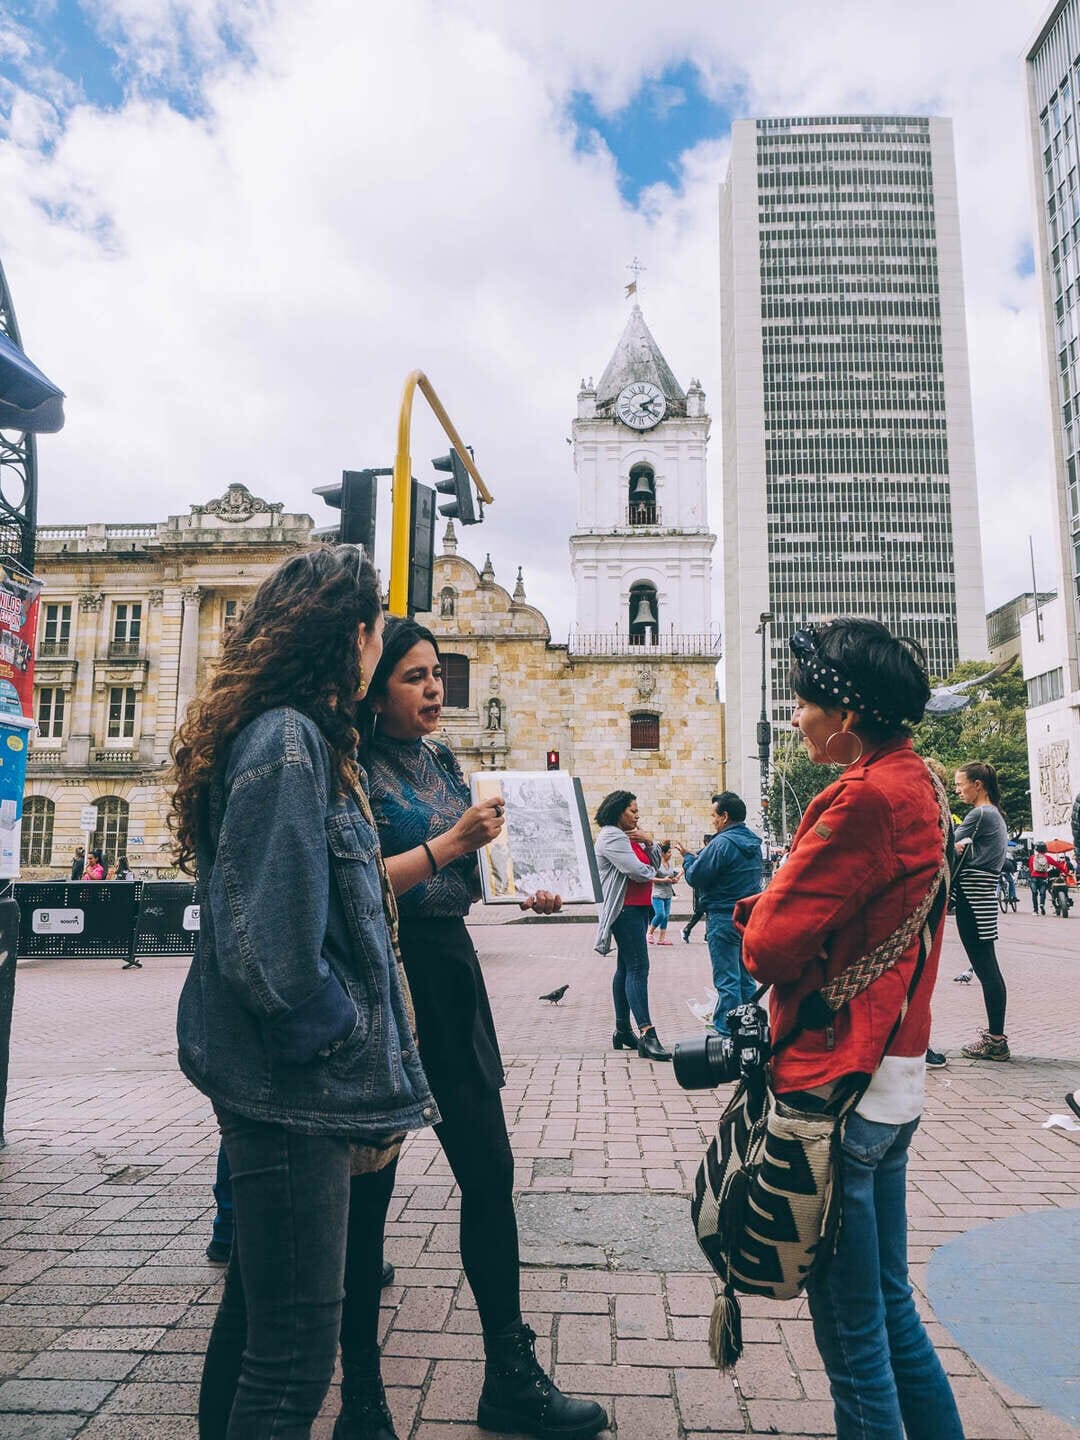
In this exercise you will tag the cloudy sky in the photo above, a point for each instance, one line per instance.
(231, 227)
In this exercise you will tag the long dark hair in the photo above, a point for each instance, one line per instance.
(982, 773)
(295, 644)
(399, 637)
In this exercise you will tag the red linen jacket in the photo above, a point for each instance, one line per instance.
(864, 856)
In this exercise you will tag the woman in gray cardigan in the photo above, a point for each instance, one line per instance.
(627, 860)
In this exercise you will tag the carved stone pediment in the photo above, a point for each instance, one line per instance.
(238, 505)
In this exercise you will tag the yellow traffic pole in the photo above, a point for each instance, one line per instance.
(401, 493)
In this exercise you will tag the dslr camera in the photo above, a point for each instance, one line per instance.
(710, 1060)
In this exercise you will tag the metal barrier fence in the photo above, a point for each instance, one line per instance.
(131, 918)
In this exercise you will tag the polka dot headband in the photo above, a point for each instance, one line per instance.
(830, 681)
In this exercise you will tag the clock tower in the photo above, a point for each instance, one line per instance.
(641, 552)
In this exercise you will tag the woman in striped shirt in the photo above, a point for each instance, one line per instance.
(984, 834)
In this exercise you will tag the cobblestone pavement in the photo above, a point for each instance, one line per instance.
(105, 1205)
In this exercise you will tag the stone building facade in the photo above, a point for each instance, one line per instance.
(131, 617)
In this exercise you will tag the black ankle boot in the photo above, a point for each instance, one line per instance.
(519, 1398)
(364, 1413)
(649, 1047)
(624, 1038)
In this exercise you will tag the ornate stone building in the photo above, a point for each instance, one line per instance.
(133, 615)
(130, 618)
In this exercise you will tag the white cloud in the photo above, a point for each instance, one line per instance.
(370, 188)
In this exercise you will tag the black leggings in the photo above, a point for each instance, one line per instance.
(473, 1136)
(983, 959)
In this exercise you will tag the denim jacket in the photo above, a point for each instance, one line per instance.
(292, 1011)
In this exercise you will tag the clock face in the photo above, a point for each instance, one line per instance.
(641, 405)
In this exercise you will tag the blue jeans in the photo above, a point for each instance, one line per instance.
(285, 1281)
(223, 1217)
(885, 1376)
(1038, 893)
(661, 912)
(733, 984)
(630, 984)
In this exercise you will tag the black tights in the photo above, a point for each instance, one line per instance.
(473, 1136)
(474, 1139)
(984, 962)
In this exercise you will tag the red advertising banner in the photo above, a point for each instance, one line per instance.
(19, 602)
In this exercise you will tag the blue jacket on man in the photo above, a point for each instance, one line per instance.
(727, 870)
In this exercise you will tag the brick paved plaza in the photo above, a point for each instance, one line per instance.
(105, 1206)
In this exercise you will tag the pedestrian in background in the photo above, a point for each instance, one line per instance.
(727, 870)
(1039, 874)
(663, 892)
(984, 834)
(95, 868)
(628, 860)
(292, 1019)
(78, 863)
(869, 849)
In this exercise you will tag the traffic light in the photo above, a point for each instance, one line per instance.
(553, 759)
(355, 497)
(421, 547)
(463, 506)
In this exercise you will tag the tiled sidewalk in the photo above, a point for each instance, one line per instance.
(105, 1298)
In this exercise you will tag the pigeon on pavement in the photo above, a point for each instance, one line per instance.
(556, 995)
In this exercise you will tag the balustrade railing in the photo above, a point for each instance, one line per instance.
(124, 649)
(666, 643)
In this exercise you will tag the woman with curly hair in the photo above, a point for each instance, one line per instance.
(293, 1018)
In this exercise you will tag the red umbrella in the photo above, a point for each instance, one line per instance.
(1057, 847)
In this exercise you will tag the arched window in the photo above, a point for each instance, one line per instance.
(447, 602)
(455, 676)
(37, 830)
(641, 498)
(644, 731)
(644, 613)
(111, 834)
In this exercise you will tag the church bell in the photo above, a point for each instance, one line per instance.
(644, 614)
(642, 493)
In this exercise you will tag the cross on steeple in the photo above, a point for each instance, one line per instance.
(636, 268)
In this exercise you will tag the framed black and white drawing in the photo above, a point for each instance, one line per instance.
(546, 843)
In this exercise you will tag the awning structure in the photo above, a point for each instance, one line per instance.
(29, 401)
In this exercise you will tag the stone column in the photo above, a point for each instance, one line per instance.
(189, 649)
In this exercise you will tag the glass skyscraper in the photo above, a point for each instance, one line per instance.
(849, 473)
(1051, 654)
(1053, 74)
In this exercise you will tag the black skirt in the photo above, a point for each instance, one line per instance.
(454, 1025)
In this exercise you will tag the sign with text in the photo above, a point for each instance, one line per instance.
(58, 922)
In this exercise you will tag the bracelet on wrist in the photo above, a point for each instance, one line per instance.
(431, 858)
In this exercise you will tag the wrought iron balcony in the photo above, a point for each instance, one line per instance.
(54, 649)
(124, 649)
(644, 513)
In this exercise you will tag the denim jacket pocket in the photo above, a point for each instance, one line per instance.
(353, 845)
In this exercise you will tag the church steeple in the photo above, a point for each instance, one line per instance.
(638, 357)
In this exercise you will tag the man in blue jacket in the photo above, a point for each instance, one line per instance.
(726, 871)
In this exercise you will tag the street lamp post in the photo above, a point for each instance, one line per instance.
(764, 727)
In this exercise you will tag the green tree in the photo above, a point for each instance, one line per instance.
(992, 729)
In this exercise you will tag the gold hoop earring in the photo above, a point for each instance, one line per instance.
(843, 764)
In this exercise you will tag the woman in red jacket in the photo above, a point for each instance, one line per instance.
(867, 852)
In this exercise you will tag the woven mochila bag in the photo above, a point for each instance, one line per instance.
(767, 1196)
